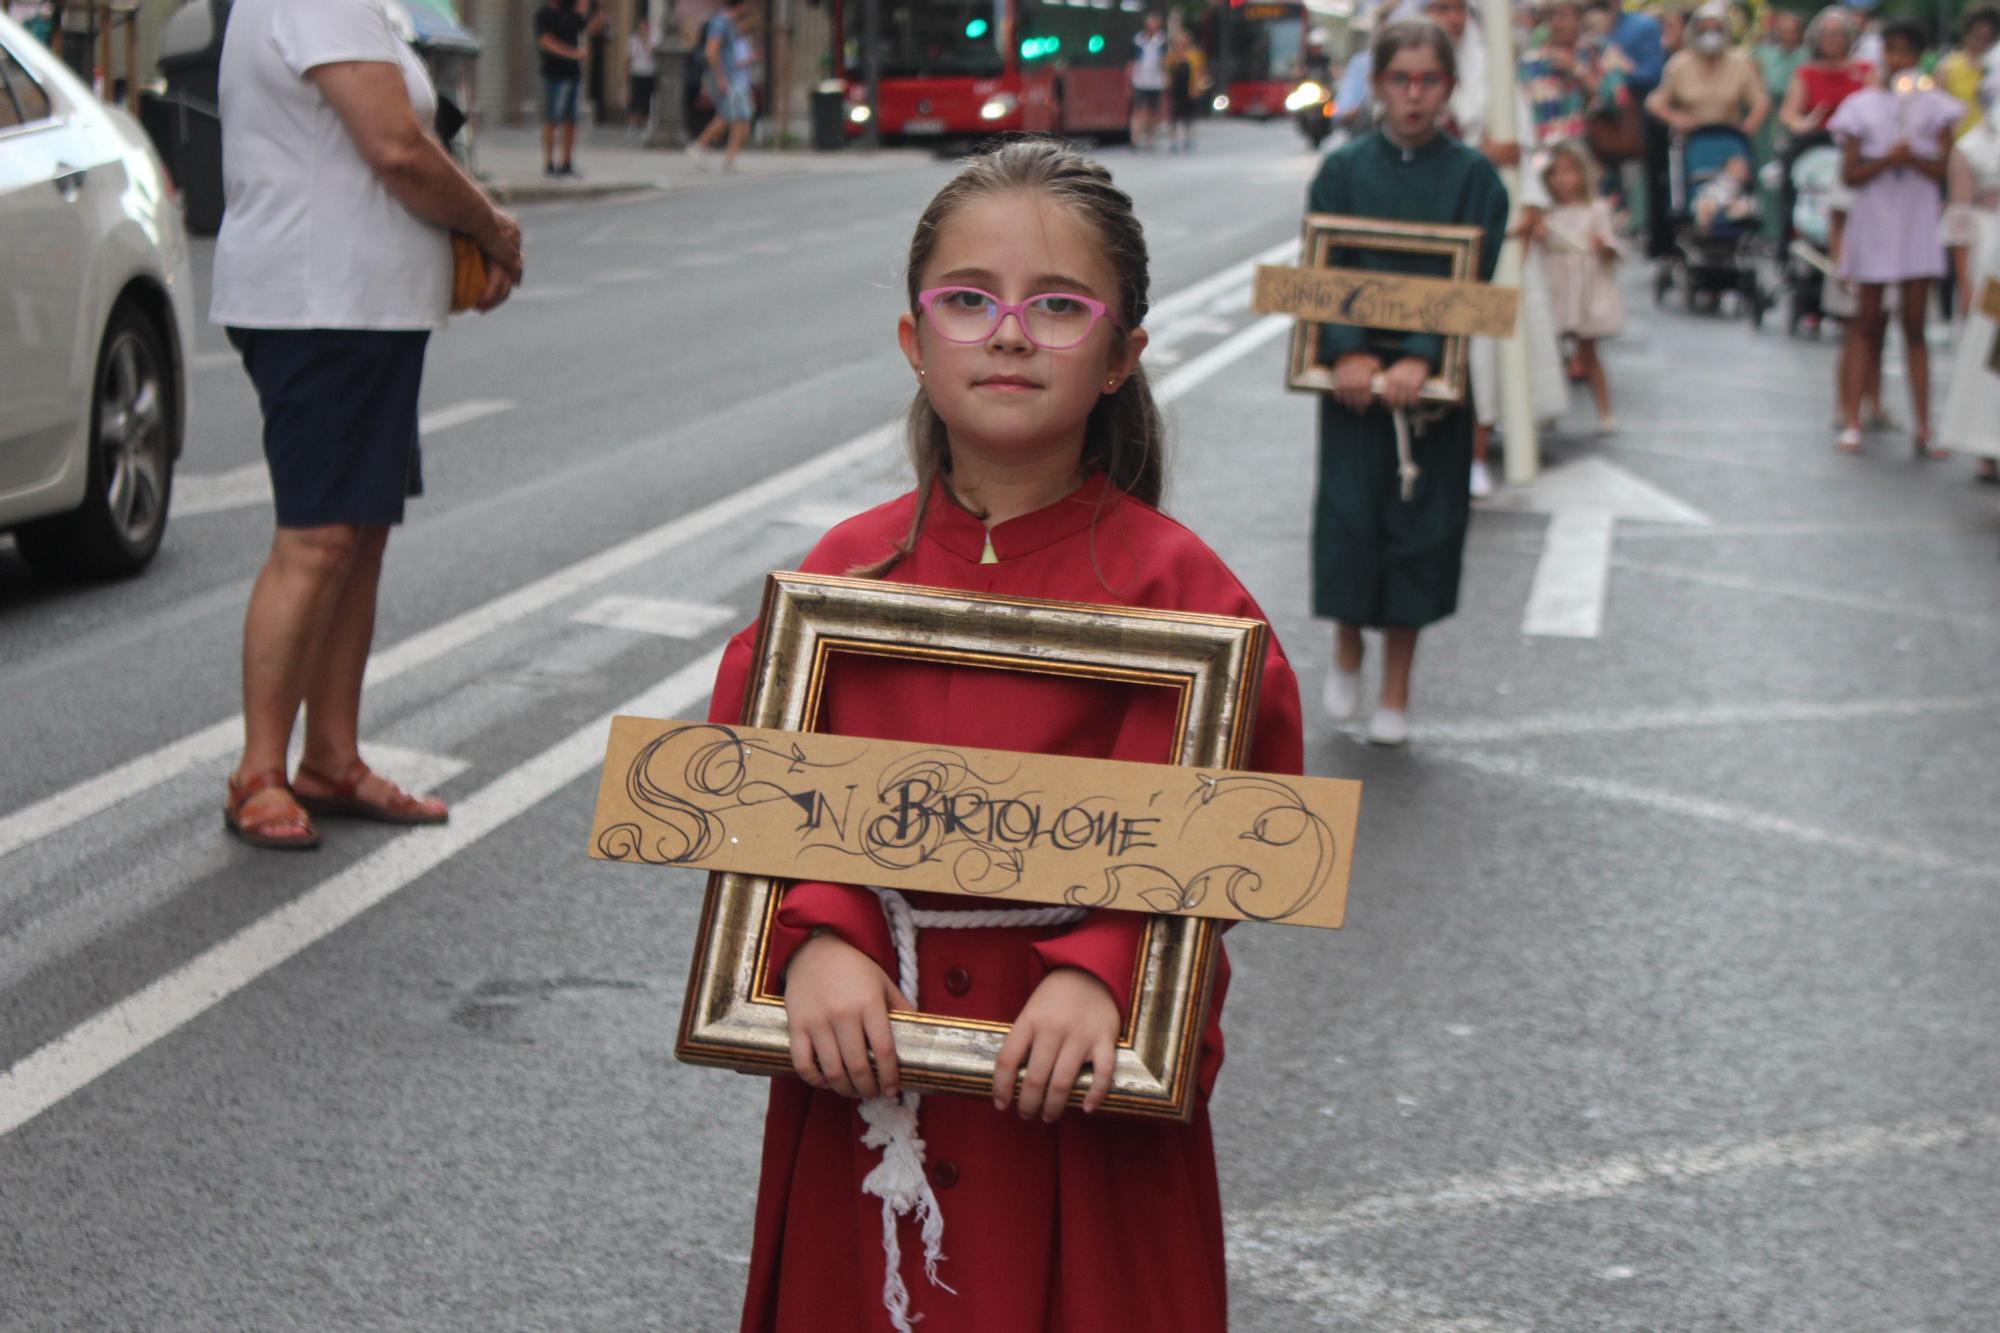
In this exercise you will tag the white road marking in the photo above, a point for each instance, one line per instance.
(95, 794)
(460, 414)
(622, 276)
(1779, 529)
(1221, 356)
(541, 292)
(1584, 500)
(656, 615)
(214, 360)
(1769, 713)
(214, 492)
(1733, 816)
(251, 484)
(115, 1035)
(1887, 606)
(818, 517)
(1311, 1224)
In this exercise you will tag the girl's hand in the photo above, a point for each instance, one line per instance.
(837, 1004)
(1353, 380)
(1070, 1021)
(1404, 381)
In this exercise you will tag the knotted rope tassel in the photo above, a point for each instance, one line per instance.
(1406, 462)
(899, 1179)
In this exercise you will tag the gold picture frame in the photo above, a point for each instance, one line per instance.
(1325, 234)
(1215, 663)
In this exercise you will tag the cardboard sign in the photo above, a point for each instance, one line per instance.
(1386, 301)
(979, 823)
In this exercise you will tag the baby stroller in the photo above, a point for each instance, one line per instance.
(1707, 262)
(1808, 185)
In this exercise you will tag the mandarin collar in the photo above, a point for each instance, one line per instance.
(1430, 147)
(963, 533)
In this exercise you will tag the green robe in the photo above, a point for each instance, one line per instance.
(1379, 560)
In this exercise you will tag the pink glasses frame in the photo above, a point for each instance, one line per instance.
(1018, 309)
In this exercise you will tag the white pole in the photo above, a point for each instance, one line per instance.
(1517, 399)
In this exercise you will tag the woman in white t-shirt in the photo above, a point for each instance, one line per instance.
(333, 267)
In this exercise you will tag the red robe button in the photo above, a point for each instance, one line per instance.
(958, 981)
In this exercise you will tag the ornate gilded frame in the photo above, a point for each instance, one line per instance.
(1325, 232)
(1215, 662)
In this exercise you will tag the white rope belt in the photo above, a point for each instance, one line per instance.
(899, 1180)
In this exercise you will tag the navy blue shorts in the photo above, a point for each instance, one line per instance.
(559, 100)
(340, 420)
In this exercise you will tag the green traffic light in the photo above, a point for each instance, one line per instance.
(976, 29)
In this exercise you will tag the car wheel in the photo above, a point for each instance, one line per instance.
(132, 445)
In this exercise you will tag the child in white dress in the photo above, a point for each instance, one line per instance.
(1579, 246)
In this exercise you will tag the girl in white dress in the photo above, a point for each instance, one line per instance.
(1971, 228)
(1579, 247)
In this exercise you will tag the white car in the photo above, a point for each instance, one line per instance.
(96, 323)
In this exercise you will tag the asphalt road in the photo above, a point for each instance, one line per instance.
(1665, 1001)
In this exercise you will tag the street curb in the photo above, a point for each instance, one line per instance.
(543, 194)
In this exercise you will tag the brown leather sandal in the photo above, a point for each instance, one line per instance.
(291, 831)
(345, 798)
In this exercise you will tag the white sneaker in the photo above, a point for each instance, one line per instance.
(1342, 695)
(1389, 726)
(1482, 479)
(693, 151)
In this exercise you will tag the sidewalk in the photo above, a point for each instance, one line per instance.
(508, 159)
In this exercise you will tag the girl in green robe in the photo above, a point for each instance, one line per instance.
(1383, 558)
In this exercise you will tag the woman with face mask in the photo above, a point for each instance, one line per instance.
(1708, 82)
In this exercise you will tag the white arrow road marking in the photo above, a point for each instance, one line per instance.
(1584, 501)
(251, 483)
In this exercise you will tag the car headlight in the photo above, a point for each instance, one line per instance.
(859, 114)
(1305, 95)
(1000, 106)
(1221, 102)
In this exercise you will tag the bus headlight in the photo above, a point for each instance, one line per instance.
(999, 106)
(859, 113)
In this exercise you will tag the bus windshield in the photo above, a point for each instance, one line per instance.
(928, 39)
(1265, 42)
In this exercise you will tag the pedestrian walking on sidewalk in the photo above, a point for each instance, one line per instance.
(333, 267)
(642, 70)
(727, 73)
(1895, 143)
(1146, 73)
(561, 27)
(1394, 498)
(1037, 447)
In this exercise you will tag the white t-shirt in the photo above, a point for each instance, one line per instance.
(640, 61)
(310, 238)
(1149, 57)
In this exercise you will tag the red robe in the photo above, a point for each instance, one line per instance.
(1093, 1223)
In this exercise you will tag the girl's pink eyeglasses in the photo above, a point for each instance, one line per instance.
(1052, 321)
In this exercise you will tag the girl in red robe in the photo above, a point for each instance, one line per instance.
(1038, 455)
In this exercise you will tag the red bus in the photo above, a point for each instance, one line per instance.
(962, 69)
(1255, 49)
